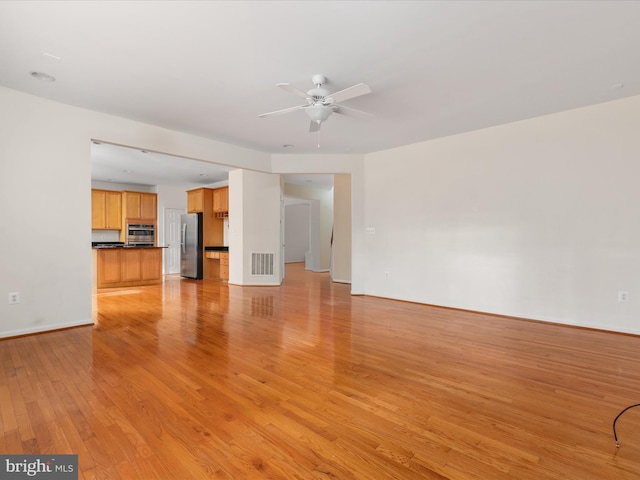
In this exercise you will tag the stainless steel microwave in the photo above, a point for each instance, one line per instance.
(143, 234)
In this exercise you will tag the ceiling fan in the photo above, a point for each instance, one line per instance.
(321, 103)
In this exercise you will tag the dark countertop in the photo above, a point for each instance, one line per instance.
(107, 244)
(218, 248)
(101, 245)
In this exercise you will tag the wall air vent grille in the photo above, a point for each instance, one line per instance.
(262, 264)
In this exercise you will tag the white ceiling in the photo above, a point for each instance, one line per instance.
(435, 68)
(113, 163)
(118, 164)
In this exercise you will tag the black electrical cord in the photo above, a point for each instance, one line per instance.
(615, 435)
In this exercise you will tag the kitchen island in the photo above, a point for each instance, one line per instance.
(126, 266)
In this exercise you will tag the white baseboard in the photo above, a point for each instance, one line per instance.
(43, 329)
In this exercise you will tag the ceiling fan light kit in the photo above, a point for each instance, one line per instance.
(318, 113)
(321, 103)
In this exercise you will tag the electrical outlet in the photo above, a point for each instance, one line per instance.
(14, 297)
(387, 275)
(623, 296)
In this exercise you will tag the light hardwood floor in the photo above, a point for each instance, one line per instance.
(190, 380)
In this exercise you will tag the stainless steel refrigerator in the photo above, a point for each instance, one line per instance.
(191, 245)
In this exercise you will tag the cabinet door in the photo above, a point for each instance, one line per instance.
(98, 209)
(224, 266)
(195, 201)
(131, 204)
(131, 271)
(221, 200)
(113, 215)
(109, 270)
(148, 206)
(151, 263)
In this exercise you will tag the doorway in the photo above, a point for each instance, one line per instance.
(172, 240)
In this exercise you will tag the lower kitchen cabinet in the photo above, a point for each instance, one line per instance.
(108, 268)
(224, 266)
(130, 265)
(126, 267)
(218, 265)
(150, 264)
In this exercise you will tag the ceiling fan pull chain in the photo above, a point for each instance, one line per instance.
(318, 142)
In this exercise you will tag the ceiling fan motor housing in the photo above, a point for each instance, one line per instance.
(318, 94)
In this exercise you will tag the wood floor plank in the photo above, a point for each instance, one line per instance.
(200, 379)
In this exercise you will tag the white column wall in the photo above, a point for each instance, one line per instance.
(341, 249)
(254, 224)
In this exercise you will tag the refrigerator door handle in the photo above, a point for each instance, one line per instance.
(183, 241)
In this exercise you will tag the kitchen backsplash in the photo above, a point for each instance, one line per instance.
(105, 235)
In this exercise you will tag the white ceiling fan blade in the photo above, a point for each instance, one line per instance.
(352, 112)
(291, 89)
(280, 112)
(351, 92)
(314, 126)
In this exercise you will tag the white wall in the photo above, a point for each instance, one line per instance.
(254, 224)
(341, 249)
(45, 186)
(45, 205)
(536, 219)
(296, 232)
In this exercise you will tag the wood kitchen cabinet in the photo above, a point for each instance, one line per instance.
(150, 264)
(126, 267)
(224, 266)
(140, 205)
(199, 200)
(107, 267)
(218, 264)
(106, 210)
(221, 201)
(130, 265)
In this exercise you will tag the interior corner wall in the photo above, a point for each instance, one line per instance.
(254, 212)
(533, 219)
(341, 248)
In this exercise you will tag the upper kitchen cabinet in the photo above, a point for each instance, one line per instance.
(139, 205)
(198, 199)
(221, 202)
(106, 210)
